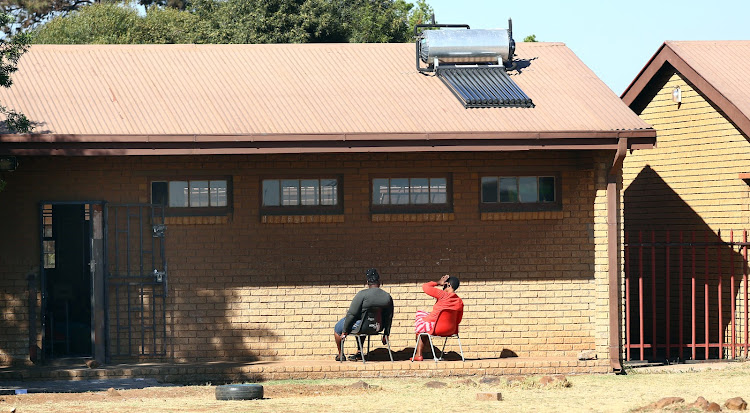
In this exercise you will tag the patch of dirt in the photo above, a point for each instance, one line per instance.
(110, 395)
(302, 390)
(277, 391)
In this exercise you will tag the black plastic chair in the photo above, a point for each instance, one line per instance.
(371, 325)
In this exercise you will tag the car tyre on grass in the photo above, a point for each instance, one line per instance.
(239, 392)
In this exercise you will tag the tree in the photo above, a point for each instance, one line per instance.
(27, 14)
(530, 39)
(11, 49)
(110, 23)
(240, 21)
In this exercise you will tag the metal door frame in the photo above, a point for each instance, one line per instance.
(141, 278)
(43, 275)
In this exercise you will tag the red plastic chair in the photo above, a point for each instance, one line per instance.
(446, 325)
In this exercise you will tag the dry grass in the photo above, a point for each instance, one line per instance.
(586, 393)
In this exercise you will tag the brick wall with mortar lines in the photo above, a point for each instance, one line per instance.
(698, 157)
(532, 286)
(689, 182)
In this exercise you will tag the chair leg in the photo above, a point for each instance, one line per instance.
(442, 352)
(388, 342)
(361, 349)
(460, 348)
(432, 347)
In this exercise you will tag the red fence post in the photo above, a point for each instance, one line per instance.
(731, 292)
(705, 298)
(744, 281)
(627, 298)
(721, 316)
(692, 292)
(682, 294)
(668, 303)
(640, 293)
(653, 294)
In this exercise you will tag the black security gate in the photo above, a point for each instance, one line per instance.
(136, 281)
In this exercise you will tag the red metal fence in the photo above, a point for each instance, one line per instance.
(686, 295)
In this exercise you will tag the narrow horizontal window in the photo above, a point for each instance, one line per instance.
(192, 196)
(295, 196)
(416, 194)
(519, 193)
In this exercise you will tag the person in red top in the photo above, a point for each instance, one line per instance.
(445, 293)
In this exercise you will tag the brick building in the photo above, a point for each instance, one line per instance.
(287, 171)
(693, 188)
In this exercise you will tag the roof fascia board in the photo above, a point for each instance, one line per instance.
(644, 76)
(666, 55)
(212, 148)
(383, 139)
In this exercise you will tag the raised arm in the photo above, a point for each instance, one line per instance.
(429, 287)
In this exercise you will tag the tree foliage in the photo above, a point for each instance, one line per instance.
(240, 21)
(530, 39)
(11, 49)
(27, 14)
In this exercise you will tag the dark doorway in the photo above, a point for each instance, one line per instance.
(66, 280)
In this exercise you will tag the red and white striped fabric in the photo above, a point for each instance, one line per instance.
(421, 326)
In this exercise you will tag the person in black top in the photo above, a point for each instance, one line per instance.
(372, 296)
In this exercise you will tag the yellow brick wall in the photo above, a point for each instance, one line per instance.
(534, 284)
(693, 178)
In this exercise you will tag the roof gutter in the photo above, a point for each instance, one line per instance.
(613, 254)
(113, 145)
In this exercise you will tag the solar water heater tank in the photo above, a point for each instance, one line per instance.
(466, 46)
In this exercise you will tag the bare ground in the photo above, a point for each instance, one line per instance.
(584, 393)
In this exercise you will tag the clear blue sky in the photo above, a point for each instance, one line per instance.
(615, 38)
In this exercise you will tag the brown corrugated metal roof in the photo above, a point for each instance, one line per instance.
(718, 69)
(295, 92)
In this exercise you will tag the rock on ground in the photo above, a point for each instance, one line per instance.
(662, 403)
(713, 407)
(700, 403)
(736, 403)
(467, 382)
(490, 380)
(489, 396)
(435, 385)
(552, 380)
(359, 385)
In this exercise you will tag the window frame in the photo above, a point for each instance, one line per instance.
(304, 209)
(410, 208)
(521, 206)
(195, 211)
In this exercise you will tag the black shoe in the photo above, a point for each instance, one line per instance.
(355, 357)
(339, 357)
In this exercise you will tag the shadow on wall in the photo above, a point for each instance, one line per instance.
(247, 296)
(667, 271)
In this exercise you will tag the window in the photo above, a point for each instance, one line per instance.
(193, 196)
(416, 194)
(48, 240)
(299, 196)
(520, 193)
